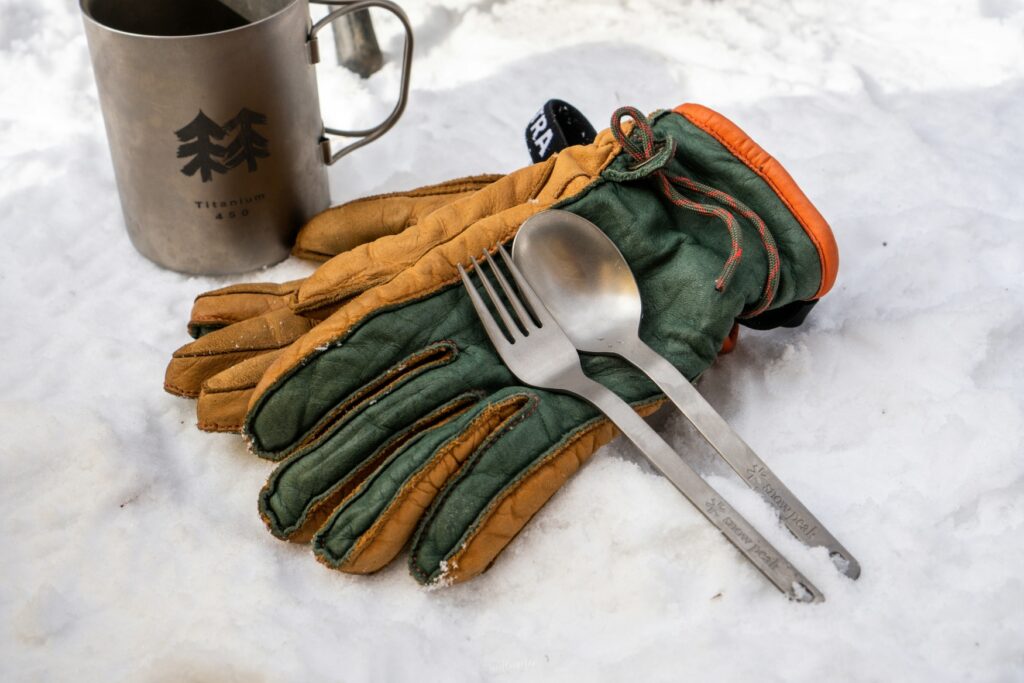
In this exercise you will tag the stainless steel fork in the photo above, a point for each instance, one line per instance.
(539, 353)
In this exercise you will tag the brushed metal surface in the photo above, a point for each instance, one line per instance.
(539, 353)
(587, 285)
(213, 121)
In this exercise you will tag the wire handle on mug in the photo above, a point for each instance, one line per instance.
(368, 135)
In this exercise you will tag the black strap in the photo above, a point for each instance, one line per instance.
(556, 126)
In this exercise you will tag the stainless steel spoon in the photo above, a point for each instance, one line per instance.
(586, 284)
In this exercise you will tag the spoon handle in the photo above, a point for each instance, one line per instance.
(732, 524)
(757, 475)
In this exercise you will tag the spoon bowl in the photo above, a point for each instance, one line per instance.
(582, 277)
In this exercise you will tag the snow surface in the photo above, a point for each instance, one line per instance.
(130, 547)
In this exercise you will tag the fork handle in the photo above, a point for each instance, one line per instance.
(738, 530)
(741, 457)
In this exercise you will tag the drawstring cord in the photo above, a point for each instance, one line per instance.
(641, 145)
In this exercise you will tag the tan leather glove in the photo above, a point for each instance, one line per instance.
(246, 325)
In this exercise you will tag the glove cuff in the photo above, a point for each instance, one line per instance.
(732, 137)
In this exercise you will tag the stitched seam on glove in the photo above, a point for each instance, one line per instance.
(259, 288)
(249, 351)
(437, 354)
(233, 358)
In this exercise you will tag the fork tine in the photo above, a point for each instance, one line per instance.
(526, 322)
(513, 330)
(540, 312)
(491, 327)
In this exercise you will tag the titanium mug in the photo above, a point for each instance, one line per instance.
(213, 119)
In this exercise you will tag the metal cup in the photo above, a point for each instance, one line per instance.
(214, 125)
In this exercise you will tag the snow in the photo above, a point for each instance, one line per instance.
(131, 547)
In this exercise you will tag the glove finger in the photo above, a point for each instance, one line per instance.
(224, 397)
(296, 406)
(345, 227)
(494, 212)
(372, 524)
(494, 495)
(313, 480)
(229, 305)
(195, 362)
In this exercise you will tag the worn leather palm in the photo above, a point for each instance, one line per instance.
(374, 386)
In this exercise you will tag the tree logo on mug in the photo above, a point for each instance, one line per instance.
(199, 141)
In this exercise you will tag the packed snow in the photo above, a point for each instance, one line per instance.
(130, 546)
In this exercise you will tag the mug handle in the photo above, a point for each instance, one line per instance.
(368, 135)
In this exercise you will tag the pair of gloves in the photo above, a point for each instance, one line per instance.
(373, 386)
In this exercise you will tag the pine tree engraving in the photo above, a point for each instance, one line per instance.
(247, 145)
(198, 142)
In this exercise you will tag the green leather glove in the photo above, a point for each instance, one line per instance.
(394, 420)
